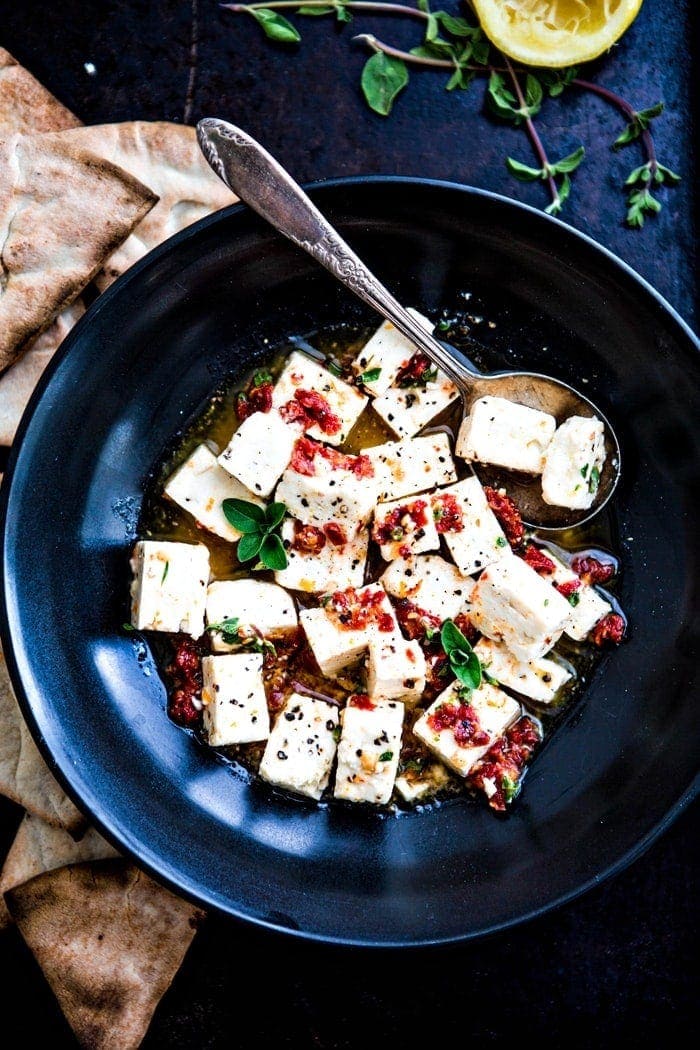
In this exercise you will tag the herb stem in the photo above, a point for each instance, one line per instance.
(627, 110)
(534, 137)
(352, 5)
(299, 687)
(419, 60)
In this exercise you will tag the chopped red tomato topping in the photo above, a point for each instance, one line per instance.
(308, 539)
(311, 409)
(401, 522)
(415, 621)
(362, 701)
(185, 675)
(419, 371)
(592, 570)
(610, 629)
(447, 513)
(467, 628)
(499, 772)
(463, 720)
(335, 534)
(355, 611)
(507, 514)
(568, 588)
(538, 560)
(257, 398)
(306, 450)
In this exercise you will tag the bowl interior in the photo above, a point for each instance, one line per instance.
(136, 369)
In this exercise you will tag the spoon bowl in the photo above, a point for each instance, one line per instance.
(264, 185)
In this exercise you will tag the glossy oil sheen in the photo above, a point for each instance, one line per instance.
(142, 363)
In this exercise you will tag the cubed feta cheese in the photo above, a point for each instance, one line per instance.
(433, 584)
(408, 409)
(586, 606)
(301, 747)
(335, 644)
(169, 586)
(368, 752)
(345, 401)
(331, 493)
(506, 434)
(472, 533)
(333, 568)
(405, 527)
(258, 606)
(406, 467)
(387, 351)
(260, 450)
(452, 734)
(573, 462)
(539, 680)
(510, 603)
(418, 785)
(395, 670)
(200, 486)
(233, 695)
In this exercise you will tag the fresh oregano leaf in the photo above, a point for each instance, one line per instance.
(533, 95)
(272, 552)
(664, 174)
(501, 99)
(316, 12)
(274, 514)
(461, 79)
(249, 545)
(228, 629)
(453, 25)
(481, 47)
(246, 517)
(275, 26)
(370, 376)
(464, 662)
(523, 171)
(569, 163)
(383, 77)
(640, 122)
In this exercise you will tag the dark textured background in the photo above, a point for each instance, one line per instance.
(622, 960)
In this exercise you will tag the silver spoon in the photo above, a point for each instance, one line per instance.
(259, 180)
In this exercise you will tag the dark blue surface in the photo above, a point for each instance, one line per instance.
(623, 959)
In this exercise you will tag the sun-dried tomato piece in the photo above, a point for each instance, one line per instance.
(592, 570)
(610, 629)
(499, 772)
(335, 534)
(538, 560)
(311, 409)
(447, 513)
(308, 539)
(463, 720)
(507, 514)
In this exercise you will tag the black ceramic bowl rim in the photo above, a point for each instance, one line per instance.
(100, 818)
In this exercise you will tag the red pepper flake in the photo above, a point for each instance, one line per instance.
(256, 399)
(610, 629)
(400, 523)
(419, 371)
(504, 762)
(335, 534)
(362, 701)
(308, 539)
(185, 676)
(306, 450)
(447, 513)
(538, 560)
(415, 621)
(568, 588)
(310, 408)
(507, 514)
(463, 720)
(593, 570)
(355, 612)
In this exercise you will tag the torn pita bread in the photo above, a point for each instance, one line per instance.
(24, 776)
(38, 847)
(25, 104)
(18, 382)
(109, 940)
(166, 157)
(63, 211)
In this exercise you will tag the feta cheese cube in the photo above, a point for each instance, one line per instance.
(405, 527)
(254, 603)
(573, 461)
(345, 401)
(406, 467)
(169, 586)
(416, 786)
(586, 606)
(472, 533)
(260, 450)
(333, 568)
(368, 752)
(233, 695)
(200, 486)
(539, 680)
(510, 603)
(429, 582)
(506, 434)
(339, 632)
(408, 409)
(389, 351)
(396, 669)
(331, 493)
(452, 734)
(301, 747)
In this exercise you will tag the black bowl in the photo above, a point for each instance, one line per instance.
(143, 361)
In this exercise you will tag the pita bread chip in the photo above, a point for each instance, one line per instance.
(38, 847)
(109, 940)
(166, 157)
(24, 776)
(25, 105)
(18, 382)
(63, 211)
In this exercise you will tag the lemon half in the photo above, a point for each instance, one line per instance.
(555, 33)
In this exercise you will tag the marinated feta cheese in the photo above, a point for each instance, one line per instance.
(510, 603)
(327, 406)
(539, 680)
(395, 669)
(199, 486)
(321, 486)
(427, 780)
(405, 527)
(233, 695)
(260, 450)
(301, 747)
(586, 606)
(472, 533)
(368, 751)
(506, 434)
(385, 354)
(434, 585)
(404, 468)
(257, 606)
(340, 630)
(318, 561)
(460, 727)
(169, 586)
(407, 409)
(573, 462)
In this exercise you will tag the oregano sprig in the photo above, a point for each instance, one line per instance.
(259, 528)
(464, 662)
